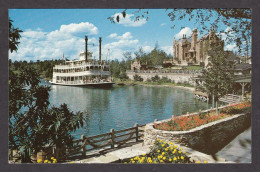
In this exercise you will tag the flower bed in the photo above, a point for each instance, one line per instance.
(163, 152)
(208, 138)
(184, 123)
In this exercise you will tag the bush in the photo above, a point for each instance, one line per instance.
(163, 152)
(156, 78)
(238, 108)
(165, 80)
(138, 78)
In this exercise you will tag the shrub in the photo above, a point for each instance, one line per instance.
(138, 78)
(163, 152)
(238, 108)
(156, 78)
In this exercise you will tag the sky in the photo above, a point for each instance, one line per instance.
(50, 33)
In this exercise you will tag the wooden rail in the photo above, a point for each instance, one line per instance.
(111, 140)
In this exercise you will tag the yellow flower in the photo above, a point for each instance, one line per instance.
(158, 151)
(175, 146)
(158, 139)
(171, 148)
(49, 161)
(52, 157)
(184, 152)
(144, 154)
(174, 158)
(125, 162)
(173, 152)
(158, 156)
(72, 162)
(205, 161)
(164, 158)
(54, 161)
(163, 153)
(162, 145)
(39, 160)
(170, 160)
(198, 162)
(45, 161)
(179, 151)
(161, 160)
(182, 157)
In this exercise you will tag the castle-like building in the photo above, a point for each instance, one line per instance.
(193, 51)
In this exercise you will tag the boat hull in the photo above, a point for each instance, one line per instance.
(96, 85)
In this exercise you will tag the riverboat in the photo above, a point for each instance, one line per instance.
(83, 72)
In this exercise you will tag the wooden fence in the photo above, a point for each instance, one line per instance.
(111, 140)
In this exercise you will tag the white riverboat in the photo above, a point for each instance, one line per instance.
(83, 72)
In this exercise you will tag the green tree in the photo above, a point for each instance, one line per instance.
(32, 123)
(14, 36)
(218, 77)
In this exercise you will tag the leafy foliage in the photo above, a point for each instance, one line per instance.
(138, 78)
(218, 77)
(14, 36)
(32, 124)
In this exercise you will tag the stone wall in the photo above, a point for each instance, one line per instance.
(208, 138)
(177, 78)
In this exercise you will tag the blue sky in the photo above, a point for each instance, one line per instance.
(48, 33)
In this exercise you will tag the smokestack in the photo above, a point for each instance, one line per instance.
(100, 49)
(86, 55)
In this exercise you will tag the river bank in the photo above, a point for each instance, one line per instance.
(156, 84)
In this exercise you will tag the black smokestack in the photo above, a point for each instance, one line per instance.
(100, 49)
(86, 55)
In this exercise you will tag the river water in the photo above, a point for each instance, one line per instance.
(122, 106)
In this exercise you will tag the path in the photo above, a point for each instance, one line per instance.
(238, 150)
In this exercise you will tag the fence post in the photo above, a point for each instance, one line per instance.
(83, 145)
(112, 138)
(136, 132)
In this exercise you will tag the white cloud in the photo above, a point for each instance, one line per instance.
(69, 39)
(147, 49)
(112, 35)
(129, 20)
(168, 49)
(79, 28)
(231, 47)
(126, 35)
(163, 24)
(187, 31)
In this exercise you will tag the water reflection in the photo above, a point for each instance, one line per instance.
(122, 107)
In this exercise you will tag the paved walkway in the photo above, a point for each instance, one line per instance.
(116, 155)
(238, 150)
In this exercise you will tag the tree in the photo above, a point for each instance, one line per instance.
(218, 77)
(14, 36)
(32, 123)
(128, 58)
(237, 20)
